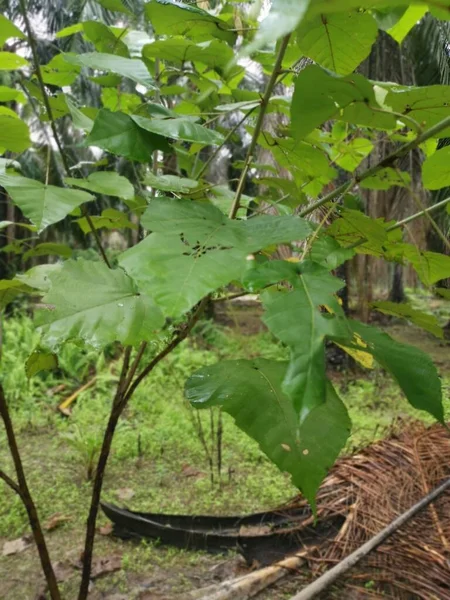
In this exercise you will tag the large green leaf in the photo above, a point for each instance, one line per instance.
(9, 30)
(412, 368)
(109, 183)
(98, 305)
(407, 21)
(430, 266)
(10, 61)
(181, 128)
(14, 134)
(213, 53)
(426, 105)
(176, 18)
(251, 392)
(59, 72)
(405, 311)
(339, 42)
(40, 360)
(320, 96)
(295, 317)
(282, 19)
(115, 5)
(42, 204)
(118, 133)
(104, 39)
(194, 249)
(170, 183)
(132, 68)
(436, 170)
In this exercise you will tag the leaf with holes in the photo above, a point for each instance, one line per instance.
(98, 305)
(426, 105)
(42, 204)
(252, 393)
(195, 249)
(339, 42)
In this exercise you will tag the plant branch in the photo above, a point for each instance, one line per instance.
(388, 161)
(12, 484)
(48, 108)
(416, 215)
(258, 126)
(227, 138)
(22, 489)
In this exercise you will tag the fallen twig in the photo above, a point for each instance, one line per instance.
(323, 582)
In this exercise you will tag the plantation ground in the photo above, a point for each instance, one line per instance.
(159, 461)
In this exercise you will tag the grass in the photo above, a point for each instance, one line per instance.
(158, 461)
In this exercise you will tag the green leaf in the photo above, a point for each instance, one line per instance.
(79, 119)
(386, 178)
(426, 105)
(408, 20)
(444, 292)
(14, 134)
(354, 227)
(11, 62)
(430, 266)
(108, 183)
(349, 154)
(8, 30)
(413, 370)
(97, 305)
(70, 30)
(42, 204)
(181, 128)
(320, 96)
(8, 94)
(118, 133)
(283, 17)
(177, 18)
(296, 319)
(194, 249)
(339, 42)
(132, 68)
(59, 72)
(327, 252)
(9, 289)
(115, 5)
(47, 249)
(436, 170)
(251, 392)
(170, 183)
(405, 311)
(387, 17)
(40, 360)
(104, 39)
(109, 219)
(39, 277)
(178, 50)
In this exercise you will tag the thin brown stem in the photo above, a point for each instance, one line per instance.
(258, 126)
(10, 482)
(226, 139)
(22, 489)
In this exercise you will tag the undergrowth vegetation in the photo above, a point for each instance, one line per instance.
(165, 453)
